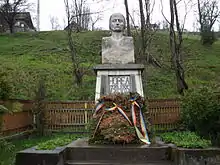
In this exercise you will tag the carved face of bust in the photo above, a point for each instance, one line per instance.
(117, 22)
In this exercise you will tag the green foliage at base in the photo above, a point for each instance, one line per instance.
(6, 146)
(8, 149)
(5, 86)
(3, 109)
(200, 111)
(57, 141)
(208, 37)
(185, 139)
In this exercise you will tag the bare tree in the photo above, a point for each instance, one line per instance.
(142, 18)
(39, 108)
(165, 25)
(54, 23)
(149, 6)
(144, 39)
(176, 41)
(76, 70)
(127, 18)
(80, 15)
(94, 19)
(147, 33)
(77, 62)
(86, 18)
(9, 10)
(208, 13)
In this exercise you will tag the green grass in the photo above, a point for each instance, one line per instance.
(57, 141)
(7, 157)
(185, 139)
(28, 56)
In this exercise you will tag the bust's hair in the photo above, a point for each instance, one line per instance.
(114, 15)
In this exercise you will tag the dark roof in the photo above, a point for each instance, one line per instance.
(73, 26)
(24, 16)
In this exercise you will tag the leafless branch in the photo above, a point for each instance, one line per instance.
(208, 14)
(163, 12)
(94, 20)
(186, 5)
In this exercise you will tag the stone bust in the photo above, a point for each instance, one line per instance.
(117, 49)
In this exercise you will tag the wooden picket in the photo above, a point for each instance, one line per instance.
(74, 120)
(74, 116)
(164, 113)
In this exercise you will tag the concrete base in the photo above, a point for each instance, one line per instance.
(123, 78)
(183, 156)
(32, 156)
(80, 152)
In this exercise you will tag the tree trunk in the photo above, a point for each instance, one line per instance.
(147, 5)
(127, 18)
(11, 28)
(175, 47)
(78, 76)
(142, 26)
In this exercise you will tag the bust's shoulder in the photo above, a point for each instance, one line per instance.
(129, 37)
(106, 38)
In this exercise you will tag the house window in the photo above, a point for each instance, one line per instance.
(17, 23)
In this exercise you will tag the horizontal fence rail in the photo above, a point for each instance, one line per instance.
(16, 123)
(74, 116)
(164, 114)
(74, 120)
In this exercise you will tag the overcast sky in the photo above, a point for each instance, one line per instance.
(56, 8)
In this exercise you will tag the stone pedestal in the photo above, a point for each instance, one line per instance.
(121, 78)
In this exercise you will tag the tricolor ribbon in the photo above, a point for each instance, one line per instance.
(116, 107)
(142, 135)
(98, 108)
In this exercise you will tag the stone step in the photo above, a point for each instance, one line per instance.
(121, 154)
(116, 163)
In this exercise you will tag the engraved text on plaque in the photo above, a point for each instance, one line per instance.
(121, 84)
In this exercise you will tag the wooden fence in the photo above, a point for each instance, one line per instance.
(164, 113)
(16, 123)
(69, 116)
(74, 116)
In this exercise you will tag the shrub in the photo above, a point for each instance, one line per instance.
(6, 146)
(57, 141)
(5, 87)
(208, 37)
(185, 139)
(200, 112)
(38, 109)
(13, 106)
(3, 109)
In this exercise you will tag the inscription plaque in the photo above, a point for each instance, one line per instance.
(121, 84)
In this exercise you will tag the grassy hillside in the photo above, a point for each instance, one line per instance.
(28, 56)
